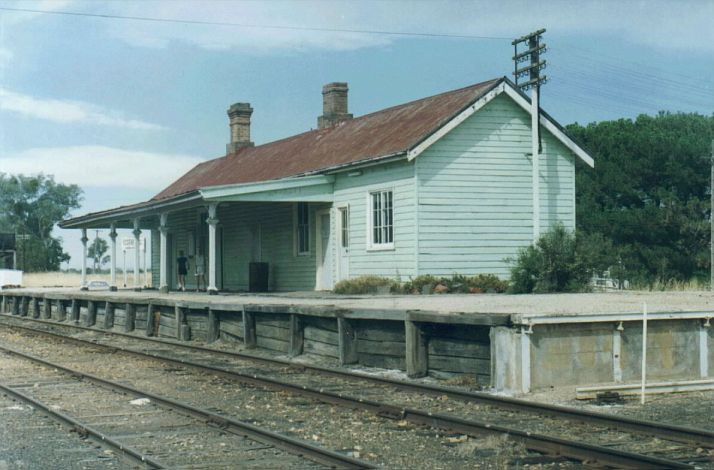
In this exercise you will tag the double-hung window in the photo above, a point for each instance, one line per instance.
(302, 229)
(381, 219)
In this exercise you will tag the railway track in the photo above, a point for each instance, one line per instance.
(610, 452)
(165, 433)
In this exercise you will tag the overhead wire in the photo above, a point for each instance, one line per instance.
(618, 70)
(574, 80)
(255, 26)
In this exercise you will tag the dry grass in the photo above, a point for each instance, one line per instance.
(61, 279)
(500, 448)
(672, 286)
(463, 380)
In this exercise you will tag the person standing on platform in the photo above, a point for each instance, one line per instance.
(200, 272)
(182, 263)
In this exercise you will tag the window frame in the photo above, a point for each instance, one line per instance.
(373, 245)
(297, 227)
(344, 237)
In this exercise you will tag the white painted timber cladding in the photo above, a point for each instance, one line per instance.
(397, 263)
(287, 271)
(475, 192)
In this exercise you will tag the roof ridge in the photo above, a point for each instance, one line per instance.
(412, 102)
(363, 116)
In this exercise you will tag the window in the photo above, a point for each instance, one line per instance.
(302, 227)
(382, 219)
(345, 232)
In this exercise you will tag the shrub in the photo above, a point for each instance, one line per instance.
(488, 283)
(553, 264)
(457, 283)
(416, 285)
(366, 285)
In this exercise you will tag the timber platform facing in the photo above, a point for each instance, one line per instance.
(511, 343)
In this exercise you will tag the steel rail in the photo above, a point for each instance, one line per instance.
(95, 434)
(539, 443)
(699, 437)
(295, 446)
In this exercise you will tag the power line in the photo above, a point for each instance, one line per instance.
(255, 26)
(693, 87)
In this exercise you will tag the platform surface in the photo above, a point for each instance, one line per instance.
(629, 302)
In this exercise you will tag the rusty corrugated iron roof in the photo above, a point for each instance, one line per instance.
(379, 134)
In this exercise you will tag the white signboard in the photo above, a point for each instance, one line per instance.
(130, 243)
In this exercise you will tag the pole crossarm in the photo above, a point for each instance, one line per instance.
(525, 55)
(528, 36)
(533, 53)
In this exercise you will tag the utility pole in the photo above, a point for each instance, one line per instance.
(532, 71)
(711, 221)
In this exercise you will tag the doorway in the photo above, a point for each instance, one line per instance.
(323, 244)
(343, 243)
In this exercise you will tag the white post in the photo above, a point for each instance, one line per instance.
(644, 352)
(212, 221)
(137, 254)
(113, 268)
(526, 358)
(143, 254)
(84, 239)
(123, 250)
(536, 162)
(163, 254)
(617, 353)
(704, 349)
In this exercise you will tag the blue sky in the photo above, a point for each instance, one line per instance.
(123, 107)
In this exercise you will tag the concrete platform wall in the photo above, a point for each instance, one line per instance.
(534, 357)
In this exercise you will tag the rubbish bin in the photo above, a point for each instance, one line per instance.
(258, 277)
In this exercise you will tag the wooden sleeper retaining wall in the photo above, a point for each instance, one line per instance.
(414, 341)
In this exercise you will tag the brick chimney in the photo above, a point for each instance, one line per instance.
(239, 120)
(334, 105)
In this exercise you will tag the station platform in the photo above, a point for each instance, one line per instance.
(512, 343)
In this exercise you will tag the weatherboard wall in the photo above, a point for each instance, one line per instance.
(474, 189)
(247, 232)
(353, 192)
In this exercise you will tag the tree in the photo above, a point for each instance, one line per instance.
(30, 206)
(649, 193)
(96, 251)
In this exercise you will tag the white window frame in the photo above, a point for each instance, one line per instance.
(342, 228)
(296, 241)
(371, 245)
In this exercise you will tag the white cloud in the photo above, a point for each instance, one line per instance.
(17, 17)
(99, 166)
(67, 111)
(656, 23)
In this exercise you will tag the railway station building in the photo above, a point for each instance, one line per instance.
(440, 185)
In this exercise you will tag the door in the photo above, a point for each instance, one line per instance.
(343, 243)
(324, 251)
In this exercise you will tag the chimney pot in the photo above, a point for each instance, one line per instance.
(334, 105)
(239, 121)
